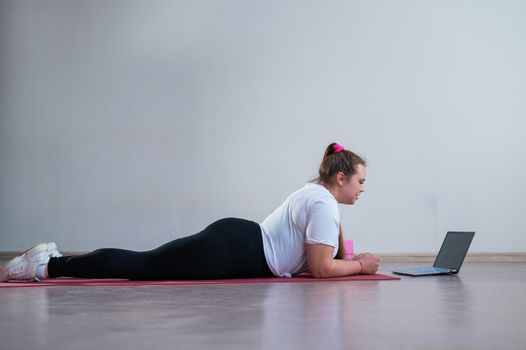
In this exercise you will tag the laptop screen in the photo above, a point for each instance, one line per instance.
(454, 249)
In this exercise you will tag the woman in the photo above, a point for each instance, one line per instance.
(302, 234)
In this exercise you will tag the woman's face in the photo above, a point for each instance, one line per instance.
(352, 188)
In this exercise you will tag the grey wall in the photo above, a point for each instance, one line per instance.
(129, 123)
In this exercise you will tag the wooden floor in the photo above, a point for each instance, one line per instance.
(482, 308)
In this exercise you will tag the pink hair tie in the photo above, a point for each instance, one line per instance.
(337, 148)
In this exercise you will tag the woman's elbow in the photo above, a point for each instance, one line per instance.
(321, 272)
(318, 274)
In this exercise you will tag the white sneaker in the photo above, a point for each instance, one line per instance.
(49, 249)
(24, 267)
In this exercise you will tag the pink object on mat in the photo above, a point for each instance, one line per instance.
(114, 282)
(349, 248)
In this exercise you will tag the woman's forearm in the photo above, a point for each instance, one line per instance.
(339, 268)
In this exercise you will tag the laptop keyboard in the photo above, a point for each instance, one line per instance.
(432, 269)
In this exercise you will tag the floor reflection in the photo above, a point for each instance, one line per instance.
(28, 309)
(454, 299)
(319, 316)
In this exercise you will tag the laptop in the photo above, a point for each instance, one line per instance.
(449, 258)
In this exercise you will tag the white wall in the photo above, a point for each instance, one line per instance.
(129, 123)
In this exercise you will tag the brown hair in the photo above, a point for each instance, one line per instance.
(332, 163)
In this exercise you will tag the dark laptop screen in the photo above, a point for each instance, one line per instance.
(454, 249)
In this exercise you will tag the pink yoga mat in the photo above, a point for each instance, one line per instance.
(66, 281)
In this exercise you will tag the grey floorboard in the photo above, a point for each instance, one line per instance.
(482, 308)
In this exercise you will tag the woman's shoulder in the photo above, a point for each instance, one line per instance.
(315, 194)
(318, 190)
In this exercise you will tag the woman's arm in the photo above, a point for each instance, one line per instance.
(321, 263)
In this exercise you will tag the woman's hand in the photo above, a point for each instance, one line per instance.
(370, 263)
(358, 256)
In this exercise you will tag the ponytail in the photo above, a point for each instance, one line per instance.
(336, 159)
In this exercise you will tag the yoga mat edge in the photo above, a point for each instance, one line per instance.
(67, 281)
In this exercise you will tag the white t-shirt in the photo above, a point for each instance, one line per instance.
(309, 215)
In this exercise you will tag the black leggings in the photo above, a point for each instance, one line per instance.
(227, 248)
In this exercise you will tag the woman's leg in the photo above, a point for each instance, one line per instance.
(228, 248)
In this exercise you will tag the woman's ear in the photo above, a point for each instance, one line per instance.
(340, 178)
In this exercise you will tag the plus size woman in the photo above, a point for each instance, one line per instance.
(302, 235)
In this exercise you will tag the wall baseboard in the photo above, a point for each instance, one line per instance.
(481, 257)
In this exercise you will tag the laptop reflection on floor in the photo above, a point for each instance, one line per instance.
(449, 258)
